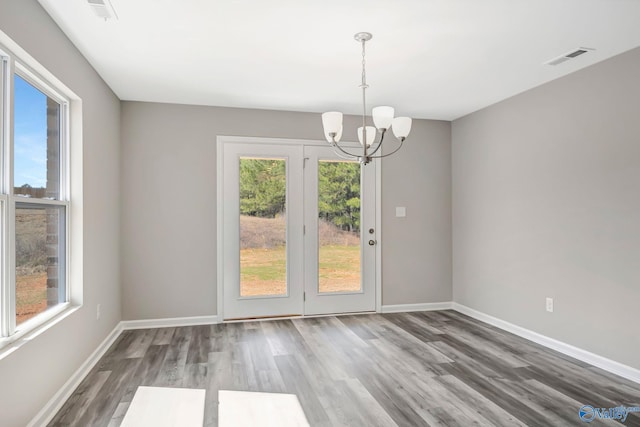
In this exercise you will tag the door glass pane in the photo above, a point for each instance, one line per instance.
(40, 259)
(338, 226)
(263, 227)
(36, 149)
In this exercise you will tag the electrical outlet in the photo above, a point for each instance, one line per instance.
(98, 312)
(550, 305)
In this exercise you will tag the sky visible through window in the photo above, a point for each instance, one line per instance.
(30, 135)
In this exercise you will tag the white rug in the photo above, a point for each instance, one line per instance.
(251, 409)
(165, 407)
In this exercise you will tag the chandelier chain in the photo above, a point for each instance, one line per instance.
(364, 99)
(364, 72)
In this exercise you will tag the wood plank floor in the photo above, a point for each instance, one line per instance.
(409, 369)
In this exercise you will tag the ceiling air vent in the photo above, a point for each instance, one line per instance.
(570, 55)
(103, 9)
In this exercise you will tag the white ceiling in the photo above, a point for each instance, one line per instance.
(436, 59)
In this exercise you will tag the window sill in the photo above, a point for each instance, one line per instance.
(31, 328)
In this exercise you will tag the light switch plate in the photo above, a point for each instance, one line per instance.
(401, 211)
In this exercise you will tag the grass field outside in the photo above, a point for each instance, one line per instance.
(263, 260)
(31, 295)
(263, 271)
(339, 268)
(31, 263)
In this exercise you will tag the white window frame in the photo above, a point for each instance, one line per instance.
(10, 65)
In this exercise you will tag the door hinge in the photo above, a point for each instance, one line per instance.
(304, 296)
(304, 229)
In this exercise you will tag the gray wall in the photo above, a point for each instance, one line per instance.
(546, 202)
(31, 375)
(169, 205)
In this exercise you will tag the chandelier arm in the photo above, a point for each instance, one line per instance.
(393, 152)
(335, 145)
(379, 144)
(350, 157)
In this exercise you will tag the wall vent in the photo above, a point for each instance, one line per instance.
(569, 55)
(103, 9)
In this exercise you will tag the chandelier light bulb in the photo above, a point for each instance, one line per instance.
(401, 127)
(382, 117)
(371, 135)
(332, 123)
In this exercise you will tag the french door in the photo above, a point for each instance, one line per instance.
(297, 231)
(339, 244)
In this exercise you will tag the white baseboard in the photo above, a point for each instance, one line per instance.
(52, 407)
(601, 362)
(403, 308)
(169, 322)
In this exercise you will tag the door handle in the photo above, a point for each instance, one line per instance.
(372, 242)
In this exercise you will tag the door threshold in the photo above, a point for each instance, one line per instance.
(293, 316)
(255, 318)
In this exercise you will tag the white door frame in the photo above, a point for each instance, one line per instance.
(223, 139)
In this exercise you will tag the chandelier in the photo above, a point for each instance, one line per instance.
(382, 119)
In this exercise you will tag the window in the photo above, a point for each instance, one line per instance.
(34, 198)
